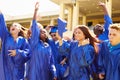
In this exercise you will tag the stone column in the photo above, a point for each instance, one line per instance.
(70, 15)
(52, 22)
(75, 15)
(62, 11)
(84, 20)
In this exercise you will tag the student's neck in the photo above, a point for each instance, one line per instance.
(80, 42)
(15, 37)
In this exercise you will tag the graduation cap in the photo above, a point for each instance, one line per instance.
(54, 29)
(61, 26)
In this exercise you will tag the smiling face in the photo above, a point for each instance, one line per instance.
(15, 28)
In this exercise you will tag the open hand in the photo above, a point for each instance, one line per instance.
(12, 52)
(101, 4)
(37, 6)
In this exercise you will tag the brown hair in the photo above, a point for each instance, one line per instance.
(88, 35)
(115, 26)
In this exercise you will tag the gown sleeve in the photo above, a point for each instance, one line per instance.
(3, 27)
(23, 54)
(107, 23)
(52, 65)
(64, 48)
(101, 58)
(87, 55)
(35, 33)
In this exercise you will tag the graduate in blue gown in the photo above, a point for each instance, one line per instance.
(60, 57)
(1, 65)
(109, 59)
(100, 31)
(15, 51)
(81, 53)
(41, 64)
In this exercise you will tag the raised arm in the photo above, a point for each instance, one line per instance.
(104, 8)
(36, 10)
(107, 18)
(23, 54)
(3, 28)
(34, 28)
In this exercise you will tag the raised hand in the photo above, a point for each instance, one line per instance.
(104, 7)
(101, 4)
(35, 11)
(37, 6)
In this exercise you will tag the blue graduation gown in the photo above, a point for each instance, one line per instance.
(2, 77)
(80, 57)
(12, 67)
(104, 35)
(59, 55)
(109, 61)
(41, 65)
(94, 69)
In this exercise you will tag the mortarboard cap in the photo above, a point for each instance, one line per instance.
(54, 29)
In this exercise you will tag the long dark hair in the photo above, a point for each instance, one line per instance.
(88, 35)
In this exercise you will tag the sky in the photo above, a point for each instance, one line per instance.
(23, 7)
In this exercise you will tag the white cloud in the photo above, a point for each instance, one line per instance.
(23, 7)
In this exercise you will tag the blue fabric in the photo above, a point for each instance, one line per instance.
(79, 59)
(2, 76)
(54, 29)
(41, 65)
(12, 67)
(104, 35)
(63, 54)
(94, 68)
(61, 26)
(58, 56)
(109, 61)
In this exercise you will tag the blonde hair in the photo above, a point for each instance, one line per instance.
(115, 26)
(23, 30)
